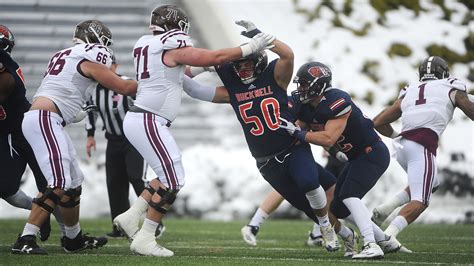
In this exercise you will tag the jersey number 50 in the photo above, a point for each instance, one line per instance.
(271, 119)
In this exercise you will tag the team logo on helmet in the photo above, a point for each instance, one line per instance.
(317, 71)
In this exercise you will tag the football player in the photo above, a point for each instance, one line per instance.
(55, 105)
(160, 60)
(257, 92)
(425, 108)
(15, 152)
(319, 105)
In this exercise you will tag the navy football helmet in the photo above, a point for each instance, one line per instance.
(92, 31)
(312, 80)
(251, 66)
(7, 40)
(167, 17)
(433, 67)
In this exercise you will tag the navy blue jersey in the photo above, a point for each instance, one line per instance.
(258, 107)
(11, 111)
(359, 132)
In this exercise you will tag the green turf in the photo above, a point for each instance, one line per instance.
(281, 242)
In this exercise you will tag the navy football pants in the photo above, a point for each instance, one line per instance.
(13, 165)
(295, 175)
(359, 176)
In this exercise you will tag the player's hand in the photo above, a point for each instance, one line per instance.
(90, 144)
(258, 43)
(290, 127)
(250, 28)
(342, 157)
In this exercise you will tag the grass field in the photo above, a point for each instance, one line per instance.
(281, 242)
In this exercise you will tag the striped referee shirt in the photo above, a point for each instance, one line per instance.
(111, 108)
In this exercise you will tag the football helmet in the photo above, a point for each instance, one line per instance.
(167, 17)
(433, 67)
(92, 31)
(7, 40)
(251, 66)
(312, 80)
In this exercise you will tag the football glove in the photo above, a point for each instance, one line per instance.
(292, 129)
(83, 112)
(258, 43)
(250, 28)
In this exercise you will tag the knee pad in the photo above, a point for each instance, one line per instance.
(317, 198)
(74, 198)
(48, 194)
(168, 197)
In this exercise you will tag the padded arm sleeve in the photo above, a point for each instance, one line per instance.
(198, 91)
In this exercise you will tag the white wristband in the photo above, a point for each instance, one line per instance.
(246, 50)
(394, 134)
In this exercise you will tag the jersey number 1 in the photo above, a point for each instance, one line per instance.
(421, 95)
(272, 123)
(138, 53)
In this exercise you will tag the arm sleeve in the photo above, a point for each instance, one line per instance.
(91, 119)
(198, 91)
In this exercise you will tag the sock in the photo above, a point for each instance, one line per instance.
(344, 232)
(316, 230)
(149, 226)
(72, 231)
(324, 221)
(30, 229)
(396, 226)
(398, 200)
(361, 216)
(139, 207)
(60, 221)
(258, 218)
(20, 200)
(378, 233)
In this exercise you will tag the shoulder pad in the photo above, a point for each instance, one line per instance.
(175, 39)
(98, 54)
(337, 103)
(457, 84)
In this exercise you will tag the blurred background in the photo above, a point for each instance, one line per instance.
(372, 46)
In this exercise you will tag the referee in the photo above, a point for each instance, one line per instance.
(123, 163)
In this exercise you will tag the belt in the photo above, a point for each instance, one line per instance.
(135, 109)
(269, 157)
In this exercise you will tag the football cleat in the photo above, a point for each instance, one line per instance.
(127, 223)
(370, 251)
(378, 217)
(81, 242)
(45, 229)
(331, 243)
(115, 233)
(145, 244)
(350, 244)
(249, 233)
(27, 245)
(160, 230)
(404, 249)
(314, 240)
(390, 244)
